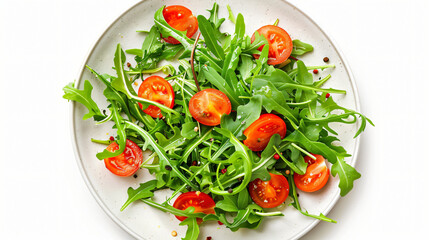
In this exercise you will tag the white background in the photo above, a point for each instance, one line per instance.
(43, 44)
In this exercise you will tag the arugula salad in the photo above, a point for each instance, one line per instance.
(234, 129)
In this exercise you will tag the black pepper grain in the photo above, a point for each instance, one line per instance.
(326, 59)
(208, 238)
(230, 190)
(128, 64)
(168, 167)
(135, 176)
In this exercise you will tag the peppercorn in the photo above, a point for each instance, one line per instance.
(223, 171)
(315, 71)
(128, 64)
(168, 167)
(326, 59)
(112, 138)
(230, 190)
(328, 95)
(135, 176)
(276, 156)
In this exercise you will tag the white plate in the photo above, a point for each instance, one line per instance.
(110, 191)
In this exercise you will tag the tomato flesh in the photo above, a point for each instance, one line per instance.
(269, 194)
(260, 131)
(156, 89)
(200, 201)
(315, 177)
(180, 18)
(279, 41)
(208, 106)
(128, 162)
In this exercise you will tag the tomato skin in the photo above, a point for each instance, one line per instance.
(315, 177)
(269, 194)
(280, 44)
(200, 201)
(157, 89)
(208, 106)
(128, 162)
(180, 18)
(260, 131)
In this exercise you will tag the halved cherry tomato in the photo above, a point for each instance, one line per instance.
(156, 89)
(279, 42)
(260, 131)
(269, 194)
(180, 18)
(200, 201)
(315, 177)
(126, 163)
(208, 106)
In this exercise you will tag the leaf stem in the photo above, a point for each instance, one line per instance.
(303, 151)
(106, 142)
(192, 61)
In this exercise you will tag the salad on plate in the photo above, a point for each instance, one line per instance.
(234, 124)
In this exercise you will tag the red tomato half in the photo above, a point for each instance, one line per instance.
(128, 162)
(279, 42)
(200, 201)
(260, 131)
(180, 18)
(208, 106)
(269, 194)
(315, 177)
(156, 89)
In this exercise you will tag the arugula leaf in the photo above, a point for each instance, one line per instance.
(246, 115)
(189, 212)
(209, 37)
(214, 78)
(230, 14)
(122, 137)
(144, 191)
(347, 175)
(193, 229)
(252, 48)
(162, 155)
(84, 97)
(228, 203)
(246, 66)
(300, 48)
(111, 94)
(152, 44)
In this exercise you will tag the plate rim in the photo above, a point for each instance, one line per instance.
(79, 159)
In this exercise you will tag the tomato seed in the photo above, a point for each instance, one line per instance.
(315, 71)
(174, 233)
(328, 95)
(276, 156)
(223, 171)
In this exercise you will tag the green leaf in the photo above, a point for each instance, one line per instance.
(246, 66)
(144, 191)
(246, 115)
(83, 97)
(313, 146)
(152, 44)
(347, 175)
(243, 199)
(273, 99)
(230, 14)
(188, 130)
(209, 37)
(189, 212)
(162, 155)
(300, 48)
(214, 78)
(228, 204)
(171, 143)
(122, 137)
(193, 229)
(111, 94)
(258, 42)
